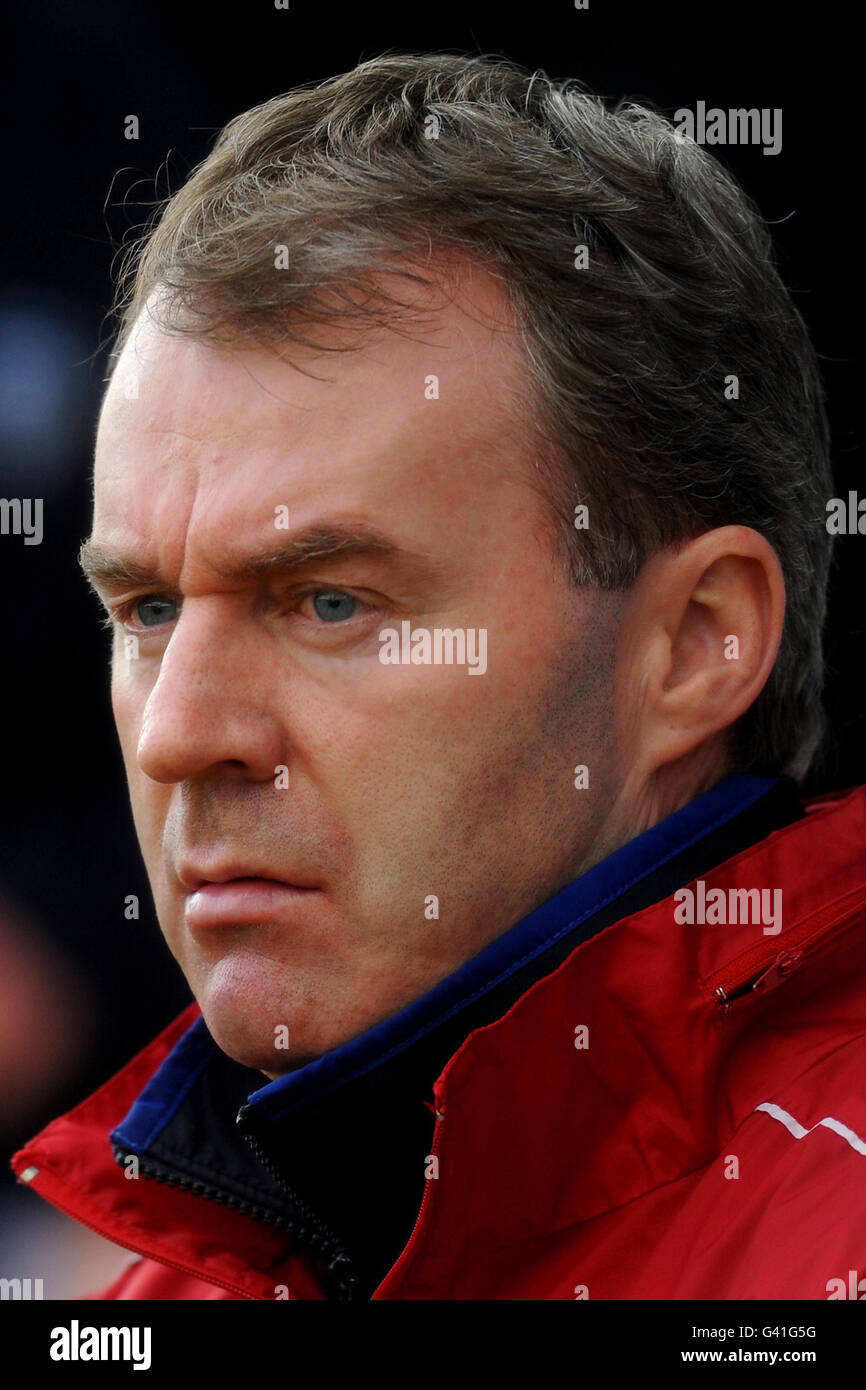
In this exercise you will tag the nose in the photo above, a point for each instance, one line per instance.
(212, 703)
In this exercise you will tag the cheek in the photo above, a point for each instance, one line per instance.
(437, 743)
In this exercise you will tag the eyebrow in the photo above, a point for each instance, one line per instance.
(105, 568)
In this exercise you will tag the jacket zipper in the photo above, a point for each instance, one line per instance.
(150, 1169)
(316, 1235)
(756, 972)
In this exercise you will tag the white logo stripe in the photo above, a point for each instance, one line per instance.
(799, 1131)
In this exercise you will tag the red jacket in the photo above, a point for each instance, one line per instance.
(709, 1142)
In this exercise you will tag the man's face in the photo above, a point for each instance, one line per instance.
(328, 835)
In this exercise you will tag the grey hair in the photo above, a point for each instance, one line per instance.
(476, 158)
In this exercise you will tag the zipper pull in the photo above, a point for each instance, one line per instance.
(783, 966)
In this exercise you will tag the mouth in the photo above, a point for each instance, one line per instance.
(233, 898)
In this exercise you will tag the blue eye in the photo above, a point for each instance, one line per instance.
(152, 612)
(333, 607)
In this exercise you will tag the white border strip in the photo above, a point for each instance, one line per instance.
(799, 1131)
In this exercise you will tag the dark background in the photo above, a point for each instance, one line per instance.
(93, 985)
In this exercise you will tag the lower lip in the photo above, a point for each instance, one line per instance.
(243, 900)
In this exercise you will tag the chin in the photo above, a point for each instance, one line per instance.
(250, 1044)
(271, 1017)
(271, 1040)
